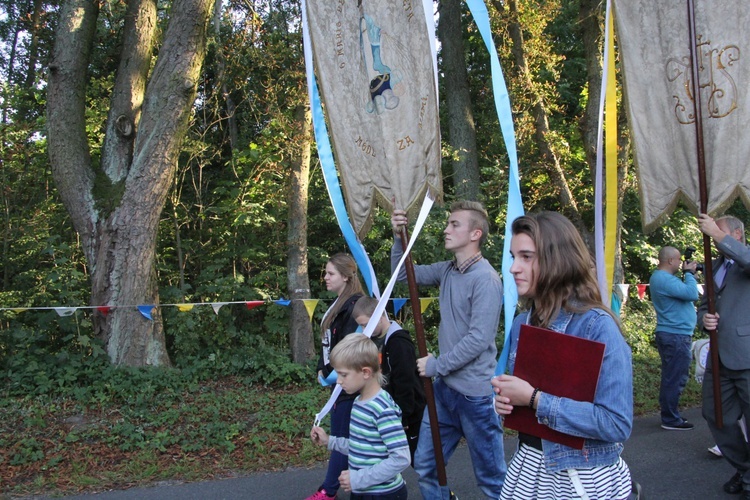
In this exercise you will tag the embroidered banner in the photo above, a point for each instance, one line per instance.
(655, 54)
(375, 67)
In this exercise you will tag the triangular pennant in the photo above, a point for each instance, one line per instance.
(185, 307)
(217, 305)
(641, 290)
(424, 303)
(252, 304)
(397, 305)
(624, 289)
(146, 310)
(104, 309)
(700, 289)
(310, 306)
(282, 302)
(19, 309)
(65, 311)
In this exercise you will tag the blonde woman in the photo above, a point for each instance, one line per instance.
(341, 277)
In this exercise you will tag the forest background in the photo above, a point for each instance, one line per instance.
(240, 213)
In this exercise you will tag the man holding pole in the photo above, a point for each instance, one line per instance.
(470, 302)
(731, 273)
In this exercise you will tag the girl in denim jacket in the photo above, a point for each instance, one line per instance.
(553, 273)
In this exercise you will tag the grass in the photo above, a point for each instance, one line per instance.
(225, 428)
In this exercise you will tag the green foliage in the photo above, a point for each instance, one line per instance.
(638, 323)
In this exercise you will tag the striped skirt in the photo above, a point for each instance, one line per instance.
(528, 479)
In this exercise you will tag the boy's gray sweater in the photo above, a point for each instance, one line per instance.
(470, 305)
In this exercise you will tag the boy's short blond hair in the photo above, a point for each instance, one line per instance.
(357, 351)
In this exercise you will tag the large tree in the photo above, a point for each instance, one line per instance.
(115, 200)
(462, 134)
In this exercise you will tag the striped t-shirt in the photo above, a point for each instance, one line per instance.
(375, 430)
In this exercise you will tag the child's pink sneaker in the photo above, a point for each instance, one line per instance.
(321, 495)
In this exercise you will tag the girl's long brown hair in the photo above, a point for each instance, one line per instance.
(566, 277)
(347, 267)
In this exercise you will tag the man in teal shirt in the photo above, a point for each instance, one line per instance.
(674, 302)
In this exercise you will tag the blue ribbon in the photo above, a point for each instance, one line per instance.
(334, 191)
(515, 205)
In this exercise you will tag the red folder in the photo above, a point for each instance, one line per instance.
(558, 364)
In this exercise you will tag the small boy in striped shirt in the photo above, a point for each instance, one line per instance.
(377, 447)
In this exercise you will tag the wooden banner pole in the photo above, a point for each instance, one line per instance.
(422, 348)
(708, 265)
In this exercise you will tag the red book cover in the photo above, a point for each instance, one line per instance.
(558, 364)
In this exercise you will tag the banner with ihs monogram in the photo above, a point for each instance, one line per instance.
(652, 38)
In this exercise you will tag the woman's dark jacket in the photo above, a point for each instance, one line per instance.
(342, 325)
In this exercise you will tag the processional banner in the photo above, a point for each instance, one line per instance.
(375, 66)
(654, 48)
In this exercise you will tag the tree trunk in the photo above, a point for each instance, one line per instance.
(590, 28)
(115, 207)
(462, 135)
(231, 106)
(36, 14)
(300, 327)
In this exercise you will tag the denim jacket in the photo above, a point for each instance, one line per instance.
(606, 423)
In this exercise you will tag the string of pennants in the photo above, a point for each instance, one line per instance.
(146, 310)
(641, 288)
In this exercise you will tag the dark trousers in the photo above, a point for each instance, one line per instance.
(412, 436)
(676, 356)
(735, 402)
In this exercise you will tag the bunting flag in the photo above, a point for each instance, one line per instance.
(654, 45)
(397, 305)
(282, 302)
(616, 304)
(624, 289)
(425, 303)
(252, 304)
(700, 289)
(104, 310)
(217, 305)
(65, 311)
(185, 307)
(641, 290)
(310, 306)
(146, 311)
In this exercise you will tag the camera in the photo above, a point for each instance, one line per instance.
(688, 255)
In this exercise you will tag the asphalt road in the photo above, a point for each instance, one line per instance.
(667, 464)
